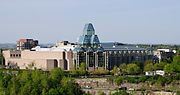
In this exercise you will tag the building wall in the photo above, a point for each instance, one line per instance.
(115, 58)
(91, 59)
(110, 58)
(45, 60)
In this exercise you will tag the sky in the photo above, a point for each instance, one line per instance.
(125, 21)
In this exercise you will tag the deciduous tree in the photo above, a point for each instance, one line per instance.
(122, 68)
(169, 68)
(82, 69)
(115, 70)
(149, 67)
(133, 69)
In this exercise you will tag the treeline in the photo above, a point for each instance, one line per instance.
(136, 68)
(158, 46)
(157, 79)
(37, 82)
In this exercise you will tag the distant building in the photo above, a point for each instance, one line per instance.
(105, 55)
(164, 54)
(69, 56)
(24, 44)
(89, 50)
(40, 58)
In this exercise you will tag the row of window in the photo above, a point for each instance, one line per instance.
(15, 55)
(120, 52)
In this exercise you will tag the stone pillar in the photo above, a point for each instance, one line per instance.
(105, 60)
(96, 60)
(77, 61)
(87, 60)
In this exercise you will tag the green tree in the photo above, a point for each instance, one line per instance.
(176, 60)
(36, 82)
(147, 62)
(115, 70)
(169, 68)
(133, 69)
(178, 51)
(24, 77)
(26, 88)
(122, 68)
(82, 69)
(14, 86)
(37, 76)
(119, 80)
(159, 66)
(69, 87)
(53, 91)
(149, 67)
(56, 74)
(45, 83)
(161, 80)
(100, 71)
(176, 63)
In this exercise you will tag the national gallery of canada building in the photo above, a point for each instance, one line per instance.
(67, 56)
(96, 55)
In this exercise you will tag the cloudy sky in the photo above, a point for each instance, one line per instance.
(126, 21)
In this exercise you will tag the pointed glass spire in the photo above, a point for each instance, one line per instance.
(88, 29)
(89, 37)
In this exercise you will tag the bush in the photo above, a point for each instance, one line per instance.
(143, 78)
(119, 80)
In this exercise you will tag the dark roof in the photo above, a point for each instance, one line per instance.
(79, 49)
(113, 46)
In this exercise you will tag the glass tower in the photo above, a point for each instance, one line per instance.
(89, 39)
(89, 50)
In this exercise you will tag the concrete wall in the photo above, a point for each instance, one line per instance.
(41, 59)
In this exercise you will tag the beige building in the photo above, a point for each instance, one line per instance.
(40, 58)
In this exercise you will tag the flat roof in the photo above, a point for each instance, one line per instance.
(112, 46)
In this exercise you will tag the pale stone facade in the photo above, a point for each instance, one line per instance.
(45, 60)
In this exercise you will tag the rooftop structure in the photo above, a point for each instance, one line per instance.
(112, 46)
(89, 41)
(23, 44)
(59, 46)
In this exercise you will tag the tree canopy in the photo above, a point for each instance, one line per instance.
(37, 82)
(133, 69)
(169, 68)
(149, 67)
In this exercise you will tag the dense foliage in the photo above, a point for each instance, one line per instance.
(37, 82)
(136, 68)
(162, 80)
